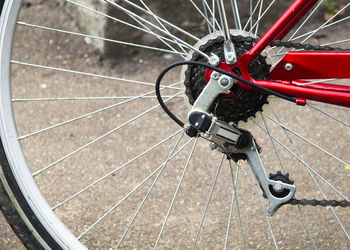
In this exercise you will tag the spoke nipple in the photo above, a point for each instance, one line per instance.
(289, 66)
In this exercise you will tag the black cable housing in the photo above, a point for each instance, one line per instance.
(208, 66)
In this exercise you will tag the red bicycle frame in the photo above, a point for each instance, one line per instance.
(303, 65)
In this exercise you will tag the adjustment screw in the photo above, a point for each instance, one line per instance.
(289, 67)
(215, 75)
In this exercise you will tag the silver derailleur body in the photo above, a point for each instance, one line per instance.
(236, 143)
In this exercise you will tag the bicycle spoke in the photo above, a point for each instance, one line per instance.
(211, 27)
(159, 29)
(307, 228)
(337, 42)
(303, 162)
(208, 202)
(285, 171)
(212, 12)
(306, 19)
(100, 38)
(329, 115)
(263, 207)
(308, 141)
(233, 199)
(97, 139)
(118, 203)
(171, 155)
(316, 81)
(261, 16)
(148, 31)
(90, 74)
(86, 115)
(303, 23)
(158, 18)
(156, 35)
(176, 193)
(273, 144)
(89, 98)
(164, 29)
(236, 15)
(142, 133)
(160, 23)
(224, 23)
(314, 180)
(204, 15)
(252, 12)
(258, 21)
(323, 25)
(151, 148)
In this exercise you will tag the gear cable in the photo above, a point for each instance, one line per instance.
(208, 66)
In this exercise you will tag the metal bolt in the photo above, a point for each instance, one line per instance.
(215, 75)
(289, 67)
(277, 187)
(213, 145)
(214, 60)
(224, 82)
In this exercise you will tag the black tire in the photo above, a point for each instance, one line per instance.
(17, 216)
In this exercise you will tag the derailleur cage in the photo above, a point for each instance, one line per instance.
(235, 142)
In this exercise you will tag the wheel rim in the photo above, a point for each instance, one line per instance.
(212, 176)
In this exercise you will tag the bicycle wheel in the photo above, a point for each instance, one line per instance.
(88, 158)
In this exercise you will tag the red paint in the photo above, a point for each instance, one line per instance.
(307, 65)
(309, 92)
(282, 26)
(301, 102)
(313, 65)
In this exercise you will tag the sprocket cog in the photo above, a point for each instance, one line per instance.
(244, 103)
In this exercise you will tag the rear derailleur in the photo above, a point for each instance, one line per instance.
(236, 143)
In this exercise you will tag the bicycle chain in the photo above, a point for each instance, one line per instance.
(288, 45)
(308, 47)
(323, 203)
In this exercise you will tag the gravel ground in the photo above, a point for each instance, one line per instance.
(71, 175)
